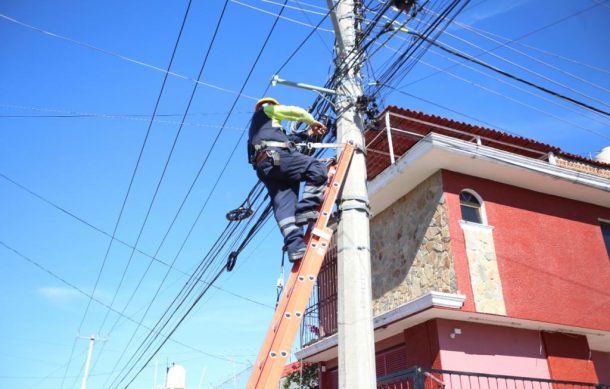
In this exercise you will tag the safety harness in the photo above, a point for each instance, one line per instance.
(261, 150)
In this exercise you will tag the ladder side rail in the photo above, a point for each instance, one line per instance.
(272, 371)
(312, 262)
(265, 350)
(282, 331)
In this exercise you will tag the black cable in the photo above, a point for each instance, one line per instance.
(93, 298)
(514, 77)
(149, 210)
(259, 223)
(415, 50)
(127, 245)
(212, 254)
(173, 330)
(132, 176)
(224, 124)
(156, 329)
(186, 111)
(399, 65)
(306, 39)
(340, 68)
(514, 39)
(451, 110)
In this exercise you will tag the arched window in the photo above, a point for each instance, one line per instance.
(472, 207)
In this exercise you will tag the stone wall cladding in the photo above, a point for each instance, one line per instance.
(411, 247)
(484, 273)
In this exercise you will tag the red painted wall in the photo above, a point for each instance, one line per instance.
(551, 255)
(568, 357)
(423, 345)
(601, 361)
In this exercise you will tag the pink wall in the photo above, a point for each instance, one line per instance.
(550, 251)
(491, 349)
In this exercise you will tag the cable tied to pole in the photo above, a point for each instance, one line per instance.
(280, 279)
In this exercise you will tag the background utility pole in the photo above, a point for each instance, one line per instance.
(355, 316)
(88, 363)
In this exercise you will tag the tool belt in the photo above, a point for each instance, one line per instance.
(261, 151)
(263, 155)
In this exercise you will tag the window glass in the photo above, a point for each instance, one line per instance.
(471, 207)
(606, 234)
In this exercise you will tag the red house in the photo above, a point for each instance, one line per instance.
(490, 261)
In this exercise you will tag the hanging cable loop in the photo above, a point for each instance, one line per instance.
(239, 214)
(232, 260)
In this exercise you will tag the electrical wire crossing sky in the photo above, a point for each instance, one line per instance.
(122, 148)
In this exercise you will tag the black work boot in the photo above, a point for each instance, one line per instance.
(305, 217)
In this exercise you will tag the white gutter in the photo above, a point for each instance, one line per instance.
(435, 152)
(429, 300)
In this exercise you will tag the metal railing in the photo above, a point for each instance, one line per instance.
(419, 378)
(320, 316)
(478, 139)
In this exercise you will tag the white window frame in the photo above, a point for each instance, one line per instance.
(482, 211)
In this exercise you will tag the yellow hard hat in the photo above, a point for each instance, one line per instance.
(264, 100)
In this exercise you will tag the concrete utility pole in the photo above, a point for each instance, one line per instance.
(88, 363)
(355, 316)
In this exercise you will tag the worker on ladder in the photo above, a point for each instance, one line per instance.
(281, 167)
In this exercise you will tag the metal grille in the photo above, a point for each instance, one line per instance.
(320, 318)
(417, 378)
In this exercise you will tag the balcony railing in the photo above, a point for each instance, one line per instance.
(320, 318)
(418, 378)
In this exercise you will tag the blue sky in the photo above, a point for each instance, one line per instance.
(84, 164)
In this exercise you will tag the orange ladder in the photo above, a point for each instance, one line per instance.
(289, 312)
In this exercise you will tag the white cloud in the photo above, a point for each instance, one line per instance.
(489, 10)
(58, 295)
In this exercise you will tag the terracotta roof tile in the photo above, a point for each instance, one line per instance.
(413, 125)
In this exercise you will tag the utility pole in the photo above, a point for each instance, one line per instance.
(88, 363)
(355, 312)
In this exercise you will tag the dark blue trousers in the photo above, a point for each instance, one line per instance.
(283, 183)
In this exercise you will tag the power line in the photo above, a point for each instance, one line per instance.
(193, 92)
(451, 110)
(523, 89)
(309, 20)
(63, 113)
(513, 100)
(462, 63)
(528, 70)
(399, 68)
(514, 77)
(196, 276)
(198, 174)
(276, 15)
(133, 175)
(120, 56)
(299, 8)
(93, 298)
(488, 34)
(127, 245)
(512, 40)
(558, 69)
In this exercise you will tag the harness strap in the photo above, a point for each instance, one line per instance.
(271, 143)
(265, 144)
